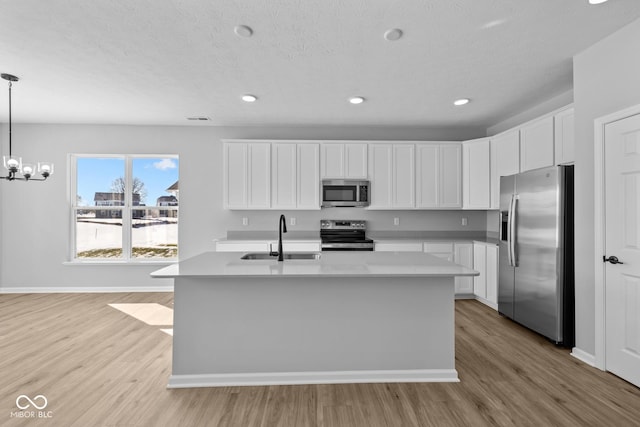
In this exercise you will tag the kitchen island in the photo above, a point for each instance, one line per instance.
(347, 317)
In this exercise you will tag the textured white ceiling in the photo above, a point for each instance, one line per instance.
(160, 61)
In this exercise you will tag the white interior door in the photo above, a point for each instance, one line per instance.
(622, 280)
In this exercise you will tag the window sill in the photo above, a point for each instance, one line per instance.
(121, 263)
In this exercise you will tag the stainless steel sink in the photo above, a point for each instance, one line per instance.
(292, 256)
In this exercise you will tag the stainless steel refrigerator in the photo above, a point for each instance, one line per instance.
(536, 278)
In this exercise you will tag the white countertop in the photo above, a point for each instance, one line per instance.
(335, 264)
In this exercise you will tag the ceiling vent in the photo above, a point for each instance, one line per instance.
(201, 118)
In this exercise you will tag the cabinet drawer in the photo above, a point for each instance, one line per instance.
(438, 247)
(242, 246)
(399, 247)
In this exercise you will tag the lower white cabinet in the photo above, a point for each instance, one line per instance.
(485, 261)
(398, 246)
(460, 253)
(463, 255)
(266, 246)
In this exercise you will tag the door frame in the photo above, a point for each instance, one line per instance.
(600, 229)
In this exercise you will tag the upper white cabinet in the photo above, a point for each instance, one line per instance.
(295, 176)
(247, 180)
(476, 174)
(565, 136)
(344, 160)
(505, 160)
(536, 144)
(392, 175)
(438, 175)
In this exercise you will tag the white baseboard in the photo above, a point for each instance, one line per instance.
(583, 356)
(487, 302)
(83, 289)
(289, 378)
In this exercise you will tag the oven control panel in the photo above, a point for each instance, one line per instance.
(338, 224)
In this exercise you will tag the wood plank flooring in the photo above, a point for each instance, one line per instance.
(98, 366)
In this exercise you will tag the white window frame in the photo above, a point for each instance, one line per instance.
(127, 210)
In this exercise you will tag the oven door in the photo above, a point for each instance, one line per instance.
(334, 246)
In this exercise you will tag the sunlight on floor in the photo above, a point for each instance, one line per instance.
(167, 331)
(149, 313)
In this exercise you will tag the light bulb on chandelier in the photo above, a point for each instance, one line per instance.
(13, 164)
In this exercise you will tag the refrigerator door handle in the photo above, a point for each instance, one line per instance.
(509, 235)
(512, 231)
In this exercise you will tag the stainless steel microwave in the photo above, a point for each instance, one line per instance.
(345, 193)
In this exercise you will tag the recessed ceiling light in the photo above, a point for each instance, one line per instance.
(461, 101)
(596, 1)
(356, 100)
(249, 98)
(393, 34)
(243, 31)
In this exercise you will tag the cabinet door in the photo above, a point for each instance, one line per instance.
(479, 264)
(492, 274)
(398, 247)
(403, 177)
(427, 173)
(380, 170)
(507, 153)
(332, 160)
(536, 144)
(464, 256)
(451, 176)
(565, 137)
(476, 172)
(283, 176)
(259, 179)
(495, 178)
(355, 160)
(235, 176)
(308, 187)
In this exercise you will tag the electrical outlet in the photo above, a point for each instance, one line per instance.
(292, 221)
(464, 221)
(245, 221)
(396, 221)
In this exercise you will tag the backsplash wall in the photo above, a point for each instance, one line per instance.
(376, 220)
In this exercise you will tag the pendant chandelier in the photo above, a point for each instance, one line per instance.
(13, 164)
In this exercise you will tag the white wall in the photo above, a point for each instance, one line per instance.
(606, 80)
(36, 220)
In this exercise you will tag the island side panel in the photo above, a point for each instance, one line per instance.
(236, 325)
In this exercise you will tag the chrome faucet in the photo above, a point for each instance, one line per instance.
(282, 228)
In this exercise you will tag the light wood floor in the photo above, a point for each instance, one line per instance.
(98, 366)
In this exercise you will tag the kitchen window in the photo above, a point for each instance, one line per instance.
(124, 208)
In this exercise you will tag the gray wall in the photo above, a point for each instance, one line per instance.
(35, 218)
(606, 79)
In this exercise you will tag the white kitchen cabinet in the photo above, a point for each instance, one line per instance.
(344, 160)
(485, 261)
(404, 176)
(267, 245)
(505, 156)
(242, 246)
(247, 175)
(283, 176)
(460, 253)
(438, 176)
(308, 176)
(392, 174)
(295, 176)
(536, 144)
(476, 174)
(451, 175)
(398, 246)
(463, 255)
(565, 136)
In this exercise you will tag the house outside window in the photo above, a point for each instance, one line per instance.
(125, 208)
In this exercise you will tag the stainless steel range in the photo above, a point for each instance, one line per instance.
(344, 235)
